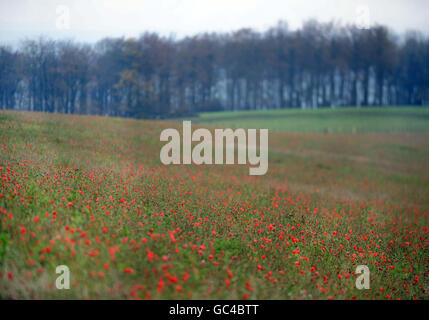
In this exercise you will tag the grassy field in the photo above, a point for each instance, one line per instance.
(344, 120)
(92, 194)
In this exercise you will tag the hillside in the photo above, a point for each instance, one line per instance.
(91, 193)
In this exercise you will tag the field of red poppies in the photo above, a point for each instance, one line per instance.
(91, 193)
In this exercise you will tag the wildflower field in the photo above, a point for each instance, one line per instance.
(91, 193)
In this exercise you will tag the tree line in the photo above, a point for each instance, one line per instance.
(318, 65)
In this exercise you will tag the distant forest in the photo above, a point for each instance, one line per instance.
(319, 65)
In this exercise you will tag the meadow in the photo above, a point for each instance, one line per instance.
(344, 188)
(343, 120)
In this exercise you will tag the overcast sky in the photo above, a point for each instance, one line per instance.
(90, 20)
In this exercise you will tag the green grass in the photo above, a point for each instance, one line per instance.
(341, 120)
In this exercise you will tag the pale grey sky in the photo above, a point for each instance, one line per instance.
(90, 20)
